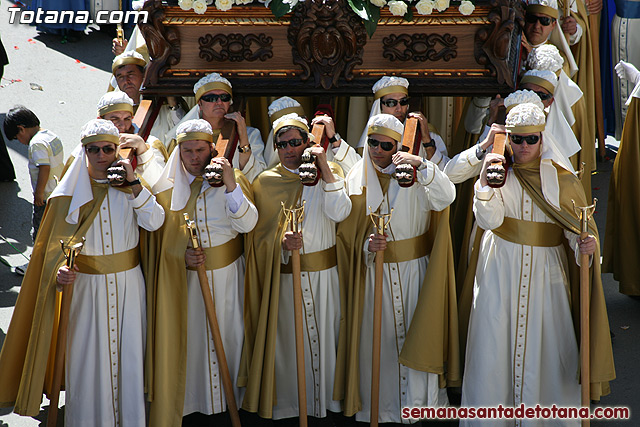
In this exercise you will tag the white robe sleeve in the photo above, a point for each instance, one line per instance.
(464, 166)
(256, 163)
(246, 217)
(476, 114)
(439, 191)
(149, 214)
(488, 207)
(337, 204)
(441, 157)
(345, 155)
(150, 165)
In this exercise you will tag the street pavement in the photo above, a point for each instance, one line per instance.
(73, 76)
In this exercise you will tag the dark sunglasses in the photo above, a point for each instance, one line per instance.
(385, 145)
(296, 142)
(212, 97)
(543, 20)
(529, 139)
(107, 149)
(393, 102)
(544, 96)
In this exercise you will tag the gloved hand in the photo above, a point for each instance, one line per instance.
(628, 71)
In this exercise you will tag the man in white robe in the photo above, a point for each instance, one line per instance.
(273, 392)
(186, 377)
(406, 261)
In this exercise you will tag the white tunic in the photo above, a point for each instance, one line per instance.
(326, 204)
(521, 345)
(216, 224)
(400, 385)
(106, 336)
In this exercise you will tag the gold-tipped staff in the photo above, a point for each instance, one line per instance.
(210, 309)
(70, 252)
(584, 214)
(380, 222)
(294, 217)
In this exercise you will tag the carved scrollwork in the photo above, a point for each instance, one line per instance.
(419, 47)
(327, 41)
(236, 47)
(494, 45)
(163, 43)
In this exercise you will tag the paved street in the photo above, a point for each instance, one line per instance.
(73, 76)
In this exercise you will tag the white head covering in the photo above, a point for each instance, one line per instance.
(543, 78)
(557, 38)
(365, 174)
(174, 174)
(76, 182)
(114, 101)
(382, 87)
(547, 58)
(529, 118)
(211, 82)
(291, 119)
(278, 108)
(521, 97)
(127, 58)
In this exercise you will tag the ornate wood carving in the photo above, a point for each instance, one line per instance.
(419, 47)
(163, 43)
(327, 40)
(494, 46)
(235, 47)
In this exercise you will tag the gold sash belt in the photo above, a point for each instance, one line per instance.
(407, 249)
(315, 261)
(108, 264)
(530, 233)
(222, 255)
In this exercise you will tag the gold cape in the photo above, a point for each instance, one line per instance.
(26, 361)
(620, 245)
(262, 286)
(431, 344)
(166, 278)
(600, 353)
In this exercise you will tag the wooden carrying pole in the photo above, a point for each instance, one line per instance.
(595, 50)
(294, 218)
(584, 213)
(380, 222)
(70, 253)
(215, 329)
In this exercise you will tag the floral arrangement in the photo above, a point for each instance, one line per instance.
(368, 10)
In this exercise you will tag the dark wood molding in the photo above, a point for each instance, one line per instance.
(419, 47)
(235, 47)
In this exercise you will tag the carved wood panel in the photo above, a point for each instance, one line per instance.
(235, 47)
(420, 47)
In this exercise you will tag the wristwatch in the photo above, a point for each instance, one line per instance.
(335, 138)
(245, 149)
(136, 181)
(431, 143)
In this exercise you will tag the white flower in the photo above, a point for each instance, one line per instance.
(291, 2)
(185, 4)
(379, 3)
(224, 4)
(266, 2)
(466, 7)
(199, 7)
(397, 8)
(441, 5)
(425, 7)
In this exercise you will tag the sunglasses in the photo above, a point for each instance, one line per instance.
(296, 142)
(385, 145)
(107, 149)
(543, 20)
(212, 97)
(393, 102)
(529, 139)
(544, 96)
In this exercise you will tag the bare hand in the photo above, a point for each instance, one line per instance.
(194, 257)
(117, 48)
(38, 198)
(132, 140)
(329, 127)
(126, 164)
(489, 159)
(228, 176)
(66, 276)
(424, 125)
(495, 129)
(402, 157)
(377, 242)
(569, 25)
(241, 125)
(292, 241)
(587, 245)
(494, 108)
(594, 6)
